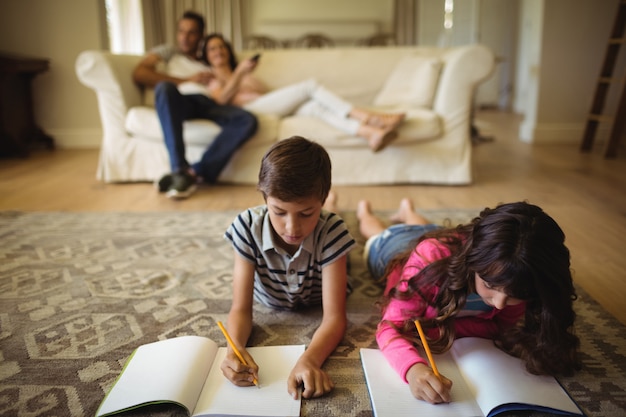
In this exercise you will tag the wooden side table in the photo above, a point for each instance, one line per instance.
(19, 133)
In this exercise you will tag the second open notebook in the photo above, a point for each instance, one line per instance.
(186, 371)
(486, 380)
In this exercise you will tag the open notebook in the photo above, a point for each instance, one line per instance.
(186, 371)
(486, 380)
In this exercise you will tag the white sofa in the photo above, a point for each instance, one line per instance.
(434, 86)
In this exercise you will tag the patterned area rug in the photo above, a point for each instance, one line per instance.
(80, 291)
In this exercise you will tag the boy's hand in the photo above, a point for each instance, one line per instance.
(238, 373)
(426, 386)
(316, 382)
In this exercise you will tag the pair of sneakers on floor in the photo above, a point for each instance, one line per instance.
(178, 185)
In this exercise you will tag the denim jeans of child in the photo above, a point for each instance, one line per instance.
(396, 239)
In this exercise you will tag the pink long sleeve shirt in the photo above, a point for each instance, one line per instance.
(401, 353)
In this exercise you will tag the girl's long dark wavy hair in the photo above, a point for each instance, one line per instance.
(232, 60)
(516, 247)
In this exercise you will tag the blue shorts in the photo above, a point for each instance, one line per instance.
(396, 239)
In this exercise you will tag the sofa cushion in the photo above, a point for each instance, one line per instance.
(143, 121)
(413, 82)
(419, 125)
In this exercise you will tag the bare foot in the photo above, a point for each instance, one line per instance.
(363, 209)
(386, 121)
(369, 225)
(331, 202)
(377, 138)
(406, 214)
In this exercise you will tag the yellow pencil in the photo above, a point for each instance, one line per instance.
(232, 345)
(426, 348)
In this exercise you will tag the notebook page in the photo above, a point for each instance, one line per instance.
(391, 396)
(171, 370)
(222, 397)
(497, 378)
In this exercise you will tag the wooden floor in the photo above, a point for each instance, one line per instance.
(584, 192)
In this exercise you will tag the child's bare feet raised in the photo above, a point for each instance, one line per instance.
(369, 225)
(406, 214)
(363, 209)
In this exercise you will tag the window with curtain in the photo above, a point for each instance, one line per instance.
(125, 26)
(135, 26)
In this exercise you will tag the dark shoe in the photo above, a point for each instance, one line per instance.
(164, 183)
(183, 185)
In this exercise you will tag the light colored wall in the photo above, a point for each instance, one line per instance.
(490, 22)
(498, 29)
(562, 45)
(345, 21)
(529, 55)
(57, 30)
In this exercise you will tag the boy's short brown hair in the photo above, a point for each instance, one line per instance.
(295, 168)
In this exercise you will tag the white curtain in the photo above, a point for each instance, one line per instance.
(405, 21)
(135, 26)
(224, 16)
(154, 23)
(124, 26)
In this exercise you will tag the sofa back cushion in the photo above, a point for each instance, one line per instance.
(364, 76)
(412, 83)
(356, 74)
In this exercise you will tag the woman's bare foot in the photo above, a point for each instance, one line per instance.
(377, 138)
(386, 121)
(369, 225)
(406, 214)
(331, 202)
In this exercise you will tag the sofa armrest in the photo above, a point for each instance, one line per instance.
(110, 73)
(110, 76)
(464, 69)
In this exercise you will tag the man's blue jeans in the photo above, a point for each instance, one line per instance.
(174, 108)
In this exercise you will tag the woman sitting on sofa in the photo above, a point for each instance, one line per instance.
(233, 83)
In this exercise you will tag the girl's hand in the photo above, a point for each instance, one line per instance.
(238, 373)
(316, 382)
(246, 66)
(426, 386)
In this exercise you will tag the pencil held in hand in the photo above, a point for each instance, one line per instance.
(427, 348)
(234, 348)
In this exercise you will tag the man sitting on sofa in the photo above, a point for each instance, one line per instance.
(182, 64)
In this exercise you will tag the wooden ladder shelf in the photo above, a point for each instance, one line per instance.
(605, 81)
